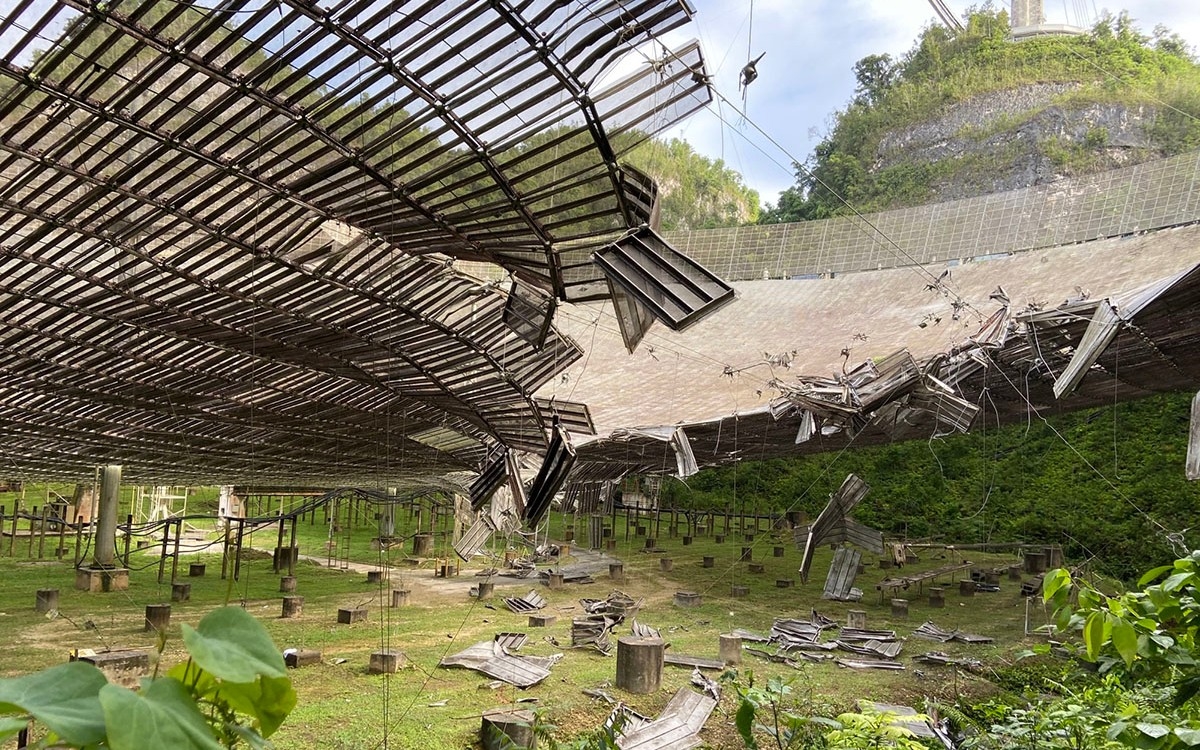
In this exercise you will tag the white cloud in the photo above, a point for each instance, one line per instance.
(807, 72)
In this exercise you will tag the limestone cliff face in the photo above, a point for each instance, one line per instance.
(1016, 138)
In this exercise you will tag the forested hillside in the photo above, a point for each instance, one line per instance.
(974, 112)
(1026, 483)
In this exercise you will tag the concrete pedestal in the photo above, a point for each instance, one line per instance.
(102, 579)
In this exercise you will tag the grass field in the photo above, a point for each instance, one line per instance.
(437, 709)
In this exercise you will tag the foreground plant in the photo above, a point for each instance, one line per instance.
(233, 688)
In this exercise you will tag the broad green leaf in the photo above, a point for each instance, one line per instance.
(1125, 640)
(1189, 737)
(268, 699)
(233, 646)
(1153, 574)
(162, 715)
(11, 727)
(1053, 582)
(65, 698)
(1177, 581)
(1153, 730)
(1093, 634)
(744, 720)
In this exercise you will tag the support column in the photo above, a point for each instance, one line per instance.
(106, 520)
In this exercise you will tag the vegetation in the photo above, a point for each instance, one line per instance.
(1115, 63)
(696, 192)
(1018, 483)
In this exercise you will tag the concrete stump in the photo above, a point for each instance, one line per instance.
(651, 542)
(783, 583)
(610, 544)
(639, 531)
(886, 563)
(856, 619)
(757, 568)
(966, 587)
(778, 551)
(737, 592)
(285, 556)
(639, 664)
(666, 564)
(862, 568)
(1014, 572)
(423, 545)
(287, 584)
(719, 538)
(564, 550)
(302, 657)
(730, 650)
(196, 570)
(1035, 562)
(181, 592)
(554, 581)
(486, 590)
(542, 621)
(400, 597)
(899, 608)
(293, 606)
(507, 727)
(747, 554)
(687, 599)
(385, 662)
(46, 600)
(375, 576)
(568, 535)
(708, 561)
(158, 617)
(348, 616)
(687, 541)
(616, 571)
(991, 577)
(937, 597)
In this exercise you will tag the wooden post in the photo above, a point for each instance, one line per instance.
(507, 727)
(128, 535)
(78, 542)
(32, 534)
(856, 619)
(62, 530)
(158, 617)
(287, 584)
(937, 597)
(639, 664)
(237, 553)
(46, 601)
(225, 550)
(730, 650)
(175, 553)
(1, 521)
(279, 545)
(42, 536)
(293, 606)
(181, 592)
(899, 608)
(162, 555)
(294, 552)
(12, 539)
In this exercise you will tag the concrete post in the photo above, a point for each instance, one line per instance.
(106, 520)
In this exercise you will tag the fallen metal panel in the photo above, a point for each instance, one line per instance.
(676, 290)
(573, 415)
(701, 662)
(842, 572)
(474, 538)
(553, 474)
(490, 659)
(676, 728)
(1101, 330)
(489, 480)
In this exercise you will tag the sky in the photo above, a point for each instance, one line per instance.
(806, 73)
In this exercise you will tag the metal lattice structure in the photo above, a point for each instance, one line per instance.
(228, 229)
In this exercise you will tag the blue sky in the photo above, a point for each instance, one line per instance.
(806, 74)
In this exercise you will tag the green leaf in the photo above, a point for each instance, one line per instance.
(1189, 737)
(1153, 731)
(1125, 640)
(1177, 581)
(63, 697)
(231, 645)
(162, 715)
(10, 727)
(744, 720)
(1154, 573)
(1053, 582)
(269, 700)
(1093, 634)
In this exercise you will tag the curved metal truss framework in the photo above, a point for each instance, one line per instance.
(227, 229)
